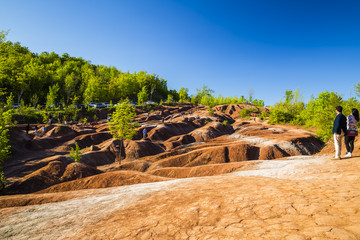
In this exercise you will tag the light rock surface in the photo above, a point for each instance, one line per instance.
(296, 198)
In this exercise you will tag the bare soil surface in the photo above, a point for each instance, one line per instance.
(189, 143)
(193, 177)
(297, 198)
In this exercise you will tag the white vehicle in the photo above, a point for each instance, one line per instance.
(99, 105)
(107, 104)
(149, 102)
(92, 104)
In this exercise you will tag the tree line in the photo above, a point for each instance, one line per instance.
(47, 77)
(318, 112)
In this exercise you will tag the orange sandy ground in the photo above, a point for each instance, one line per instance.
(322, 201)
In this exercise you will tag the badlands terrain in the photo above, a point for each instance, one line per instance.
(195, 176)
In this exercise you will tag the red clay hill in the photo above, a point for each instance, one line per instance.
(196, 176)
(189, 142)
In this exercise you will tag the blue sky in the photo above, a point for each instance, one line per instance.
(230, 46)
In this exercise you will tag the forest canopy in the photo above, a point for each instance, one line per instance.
(31, 77)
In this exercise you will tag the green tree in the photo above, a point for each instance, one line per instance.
(246, 112)
(3, 35)
(142, 95)
(205, 91)
(52, 95)
(241, 100)
(34, 100)
(290, 110)
(170, 99)
(183, 95)
(4, 145)
(9, 101)
(320, 113)
(75, 154)
(71, 82)
(122, 124)
(25, 74)
(93, 91)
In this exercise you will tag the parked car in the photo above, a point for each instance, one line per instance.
(15, 105)
(99, 105)
(149, 102)
(131, 104)
(92, 104)
(107, 104)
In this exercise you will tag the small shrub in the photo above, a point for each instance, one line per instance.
(71, 113)
(76, 153)
(27, 115)
(210, 111)
(225, 123)
(279, 116)
(245, 113)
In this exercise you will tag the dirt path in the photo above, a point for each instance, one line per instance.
(307, 198)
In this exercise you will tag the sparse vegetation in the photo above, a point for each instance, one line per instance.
(319, 112)
(246, 112)
(122, 124)
(75, 154)
(210, 111)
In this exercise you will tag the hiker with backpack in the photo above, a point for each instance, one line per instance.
(351, 132)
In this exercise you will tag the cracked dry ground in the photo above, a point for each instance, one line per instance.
(322, 201)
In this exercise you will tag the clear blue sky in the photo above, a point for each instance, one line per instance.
(230, 46)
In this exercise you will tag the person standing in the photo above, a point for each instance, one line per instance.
(43, 130)
(144, 133)
(339, 130)
(36, 128)
(352, 121)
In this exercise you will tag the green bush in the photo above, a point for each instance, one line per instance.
(319, 112)
(245, 113)
(280, 116)
(5, 121)
(210, 111)
(27, 115)
(76, 153)
(71, 113)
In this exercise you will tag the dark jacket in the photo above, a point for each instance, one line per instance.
(339, 124)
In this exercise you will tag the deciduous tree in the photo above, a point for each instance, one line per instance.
(4, 145)
(122, 124)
